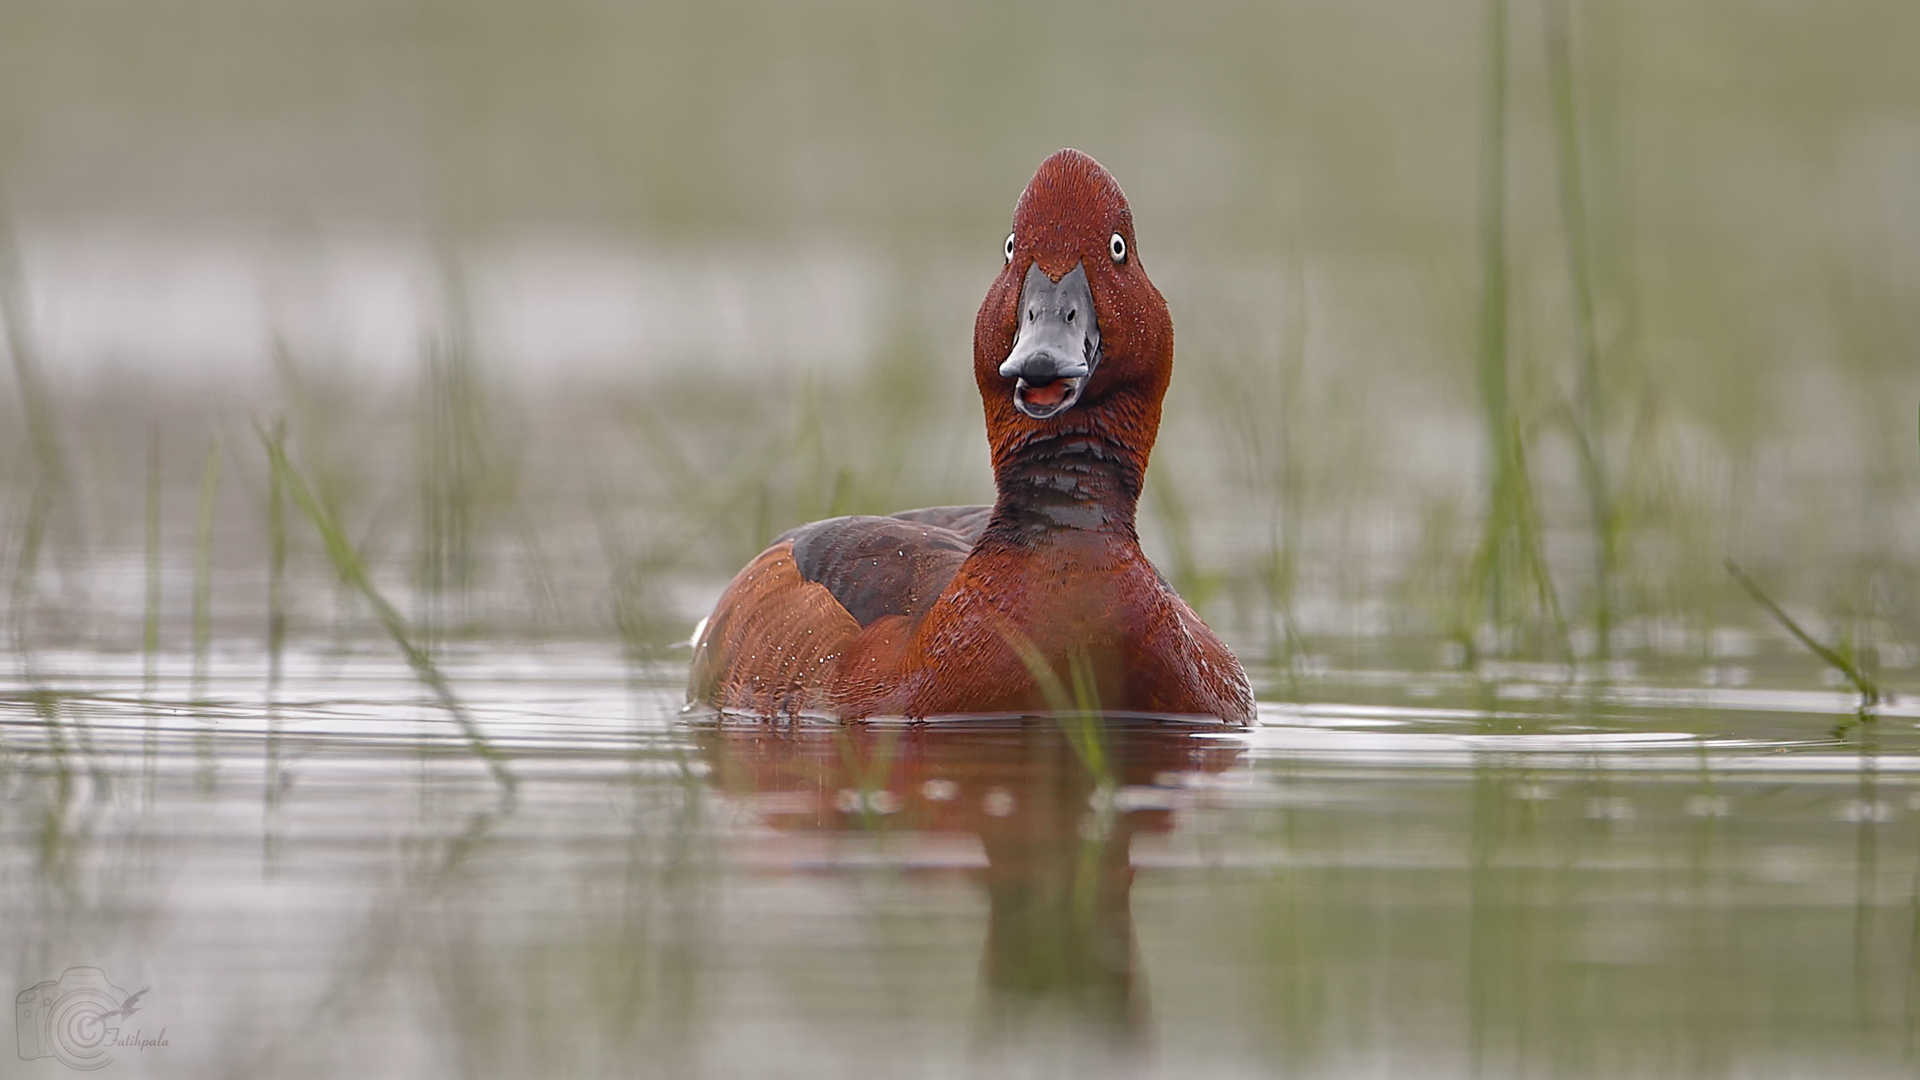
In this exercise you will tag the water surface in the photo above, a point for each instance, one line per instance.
(1392, 874)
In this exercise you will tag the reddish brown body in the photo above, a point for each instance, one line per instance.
(949, 611)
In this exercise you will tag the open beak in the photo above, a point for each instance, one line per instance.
(1058, 346)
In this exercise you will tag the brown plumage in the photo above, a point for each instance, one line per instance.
(952, 610)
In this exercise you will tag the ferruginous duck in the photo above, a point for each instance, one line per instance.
(980, 610)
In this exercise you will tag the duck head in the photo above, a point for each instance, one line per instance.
(1072, 336)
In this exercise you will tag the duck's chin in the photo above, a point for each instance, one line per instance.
(1049, 400)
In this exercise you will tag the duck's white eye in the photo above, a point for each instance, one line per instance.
(1009, 247)
(1117, 244)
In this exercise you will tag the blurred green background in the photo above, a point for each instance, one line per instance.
(1499, 326)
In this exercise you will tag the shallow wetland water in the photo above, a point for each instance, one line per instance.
(1392, 874)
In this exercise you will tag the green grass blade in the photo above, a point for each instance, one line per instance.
(1589, 411)
(276, 566)
(203, 567)
(1869, 690)
(348, 564)
(1077, 709)
(150, 638)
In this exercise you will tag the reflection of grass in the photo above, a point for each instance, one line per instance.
(869, 765)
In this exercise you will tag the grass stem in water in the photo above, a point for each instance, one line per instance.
(353, 571)
(1589, 410)
(203, 567)
(1869, 689)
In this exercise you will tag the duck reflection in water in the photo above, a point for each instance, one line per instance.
(1055, 804)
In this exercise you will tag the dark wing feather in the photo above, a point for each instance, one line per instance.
(968, 521)
(879, 566)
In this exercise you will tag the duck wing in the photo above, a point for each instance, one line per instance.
(879, 566)
(771, 642)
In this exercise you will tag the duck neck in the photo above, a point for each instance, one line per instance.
(1074, 480)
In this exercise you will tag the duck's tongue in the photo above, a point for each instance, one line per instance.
(1048, 396)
